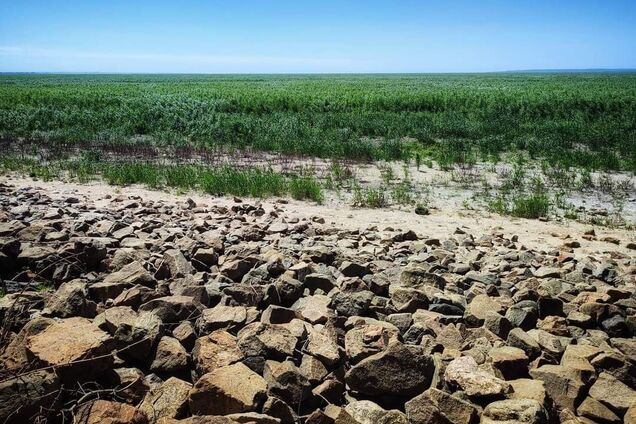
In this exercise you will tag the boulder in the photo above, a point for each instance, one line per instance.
(173, 309)
(365, 340)
(286, 381)
(612, 392)
(514, 411)
(227, 390)
(107, 412)
(168, 400)
(174, 265)
(565, 385)
(75, 346)
(596, 411)
(511, 362)
(400, 370)
(170, 356)
(21, 398)
(367, 412)
(217, 349)
(222, 318)
(435, 406)
(71, 299)
(464, 373)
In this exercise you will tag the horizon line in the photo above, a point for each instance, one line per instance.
(537, 70)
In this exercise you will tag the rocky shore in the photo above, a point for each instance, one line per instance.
(144, 311)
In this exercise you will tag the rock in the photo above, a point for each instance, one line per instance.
(186, 334)
(114, 284)
(527, 388)
(266, 341)
(324, 346)
(352, 269)
(630, 415)
(76, 347)
(367, 412)
(275, 407)
(514, 411)
(595, 410)
(107, 412)
(313, 369)
(522, 340)
(173, 309)
(217, 349)
(512, 362)
(135, 296)
(565, 385)
(417, 276)
(314, 309)
(135, 334)
(366, 340)
(21, 398)
(167, 400)
(174, 265)
(170, 356)
(237, 268)
(286, 381)
(610, 391)
(400, 370)
(435, 406)
(547, 272)
(250, 418)
(228, 390)
(132, 384)
(464, 373)
(274, 314)
(481, 307)
(222, 317)
(71, 299)
(319, 281)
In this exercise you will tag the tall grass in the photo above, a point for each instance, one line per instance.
(582, 120)
(253, 182)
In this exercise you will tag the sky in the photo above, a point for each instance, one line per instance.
(315, 36)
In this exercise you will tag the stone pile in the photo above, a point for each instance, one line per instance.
(149, 312)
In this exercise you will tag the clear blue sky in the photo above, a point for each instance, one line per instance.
(252, 36)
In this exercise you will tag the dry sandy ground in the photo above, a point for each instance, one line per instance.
(440, 223)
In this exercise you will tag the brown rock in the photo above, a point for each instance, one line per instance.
(228, 390)
(435, 406)
(107, 412)
(168, 400)
(75, 346)
(217, 349)
(170, 356)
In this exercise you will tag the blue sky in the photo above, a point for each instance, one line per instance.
(260, 36)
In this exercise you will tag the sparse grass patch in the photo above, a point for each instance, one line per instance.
(306, 187)
(369, 197)
(532, 206)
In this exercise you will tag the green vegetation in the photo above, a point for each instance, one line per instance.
(370, 197)
(586, 120)
(534, 205)
(254, 182)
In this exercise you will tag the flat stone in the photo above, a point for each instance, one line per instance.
(74, 346)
